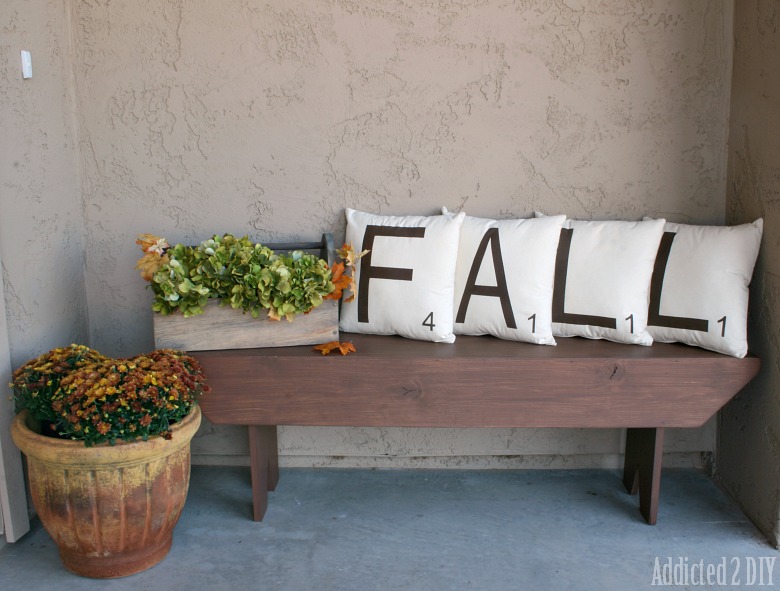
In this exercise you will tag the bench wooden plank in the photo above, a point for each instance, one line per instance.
(475, 382)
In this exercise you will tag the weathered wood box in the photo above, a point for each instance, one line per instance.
(222, 327)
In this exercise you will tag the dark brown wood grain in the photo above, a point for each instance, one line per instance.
(475, 382)
(264, 467)
(642, 469)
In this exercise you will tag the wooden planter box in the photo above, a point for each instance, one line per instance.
(222, 327)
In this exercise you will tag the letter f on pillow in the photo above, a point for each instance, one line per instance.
(369, 271)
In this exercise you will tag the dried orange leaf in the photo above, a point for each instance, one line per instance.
(347, 253)
(343, 348)
(346, 274)
(340, 281)
(154, 254)
(326, 348)
(151, 243)
(149, 264)
(347, 348)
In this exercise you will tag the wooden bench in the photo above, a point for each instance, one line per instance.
(475, 382)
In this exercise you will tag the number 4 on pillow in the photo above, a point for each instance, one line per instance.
(405, 283)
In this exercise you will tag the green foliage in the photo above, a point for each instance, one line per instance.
(239, 273)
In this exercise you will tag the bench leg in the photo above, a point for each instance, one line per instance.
(642, 468)
(264, 466)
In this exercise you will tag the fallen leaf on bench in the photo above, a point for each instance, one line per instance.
(343, 348)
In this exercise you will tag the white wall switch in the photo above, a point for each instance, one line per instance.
(26, 64)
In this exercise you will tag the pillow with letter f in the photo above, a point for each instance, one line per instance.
(406, 282)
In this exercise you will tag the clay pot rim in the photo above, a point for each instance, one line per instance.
(68, 452)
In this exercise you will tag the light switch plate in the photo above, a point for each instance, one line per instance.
(26, 64)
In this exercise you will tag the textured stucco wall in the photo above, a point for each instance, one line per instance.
(41, 219)
(749, 444)
(268, 118)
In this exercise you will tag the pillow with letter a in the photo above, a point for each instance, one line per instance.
(699, 293)
(504, 278)
(602, 279)
(406, 282)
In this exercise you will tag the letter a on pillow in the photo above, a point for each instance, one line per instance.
(406, 282)
(504, 278)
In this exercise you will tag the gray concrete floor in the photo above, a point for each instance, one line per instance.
(433, 530)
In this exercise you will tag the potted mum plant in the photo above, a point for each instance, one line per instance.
(107, 443)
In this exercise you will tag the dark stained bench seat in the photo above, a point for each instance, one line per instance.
(475, 382)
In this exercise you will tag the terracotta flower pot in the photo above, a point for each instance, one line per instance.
(110, 509)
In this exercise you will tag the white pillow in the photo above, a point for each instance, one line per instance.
(508, 267)
(602, 279)
(699, 293)
(405, 284)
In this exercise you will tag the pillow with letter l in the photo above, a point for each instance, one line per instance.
(504, 278)
(699, 293)
(406, 282)
(602, 279)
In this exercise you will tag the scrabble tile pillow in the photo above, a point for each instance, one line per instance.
(699, 293)
(602, 279)
(504, 278)
(406, 283)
